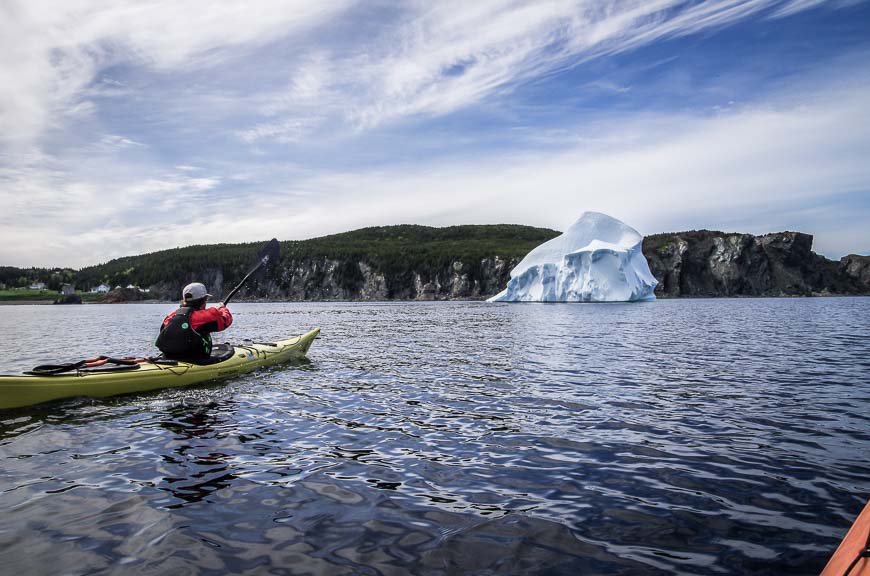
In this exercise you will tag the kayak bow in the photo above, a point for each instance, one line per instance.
(852, 557)
(28, 389)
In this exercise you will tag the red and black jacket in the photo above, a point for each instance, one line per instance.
(186, 332)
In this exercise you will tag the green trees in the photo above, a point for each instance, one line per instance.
(396, 251)
(53, 278)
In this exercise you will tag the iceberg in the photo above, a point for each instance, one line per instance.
(598, 259)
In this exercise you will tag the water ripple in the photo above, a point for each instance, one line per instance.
(693, 437)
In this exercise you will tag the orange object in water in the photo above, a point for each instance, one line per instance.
(855, 547)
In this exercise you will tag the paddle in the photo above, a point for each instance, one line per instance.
(270, 254)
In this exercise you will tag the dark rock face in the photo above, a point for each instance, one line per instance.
(857, 268)
(686, 264)
(121, 295)
(326, 279)
(321, 279)
(69, 299)
(708, 264)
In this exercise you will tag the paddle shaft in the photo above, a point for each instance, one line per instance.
(271, 252)
(242, 283)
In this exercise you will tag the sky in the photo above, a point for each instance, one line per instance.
(132, 127)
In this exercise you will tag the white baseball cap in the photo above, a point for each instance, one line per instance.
(194, 291)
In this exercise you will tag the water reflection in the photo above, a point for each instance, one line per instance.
(677, 437)
(192, 470)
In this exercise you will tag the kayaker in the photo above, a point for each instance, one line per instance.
(186, 332)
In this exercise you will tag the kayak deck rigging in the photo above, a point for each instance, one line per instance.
(143, 374)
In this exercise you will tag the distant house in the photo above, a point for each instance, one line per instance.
(102, 288)
(67, 289)
(37, 286)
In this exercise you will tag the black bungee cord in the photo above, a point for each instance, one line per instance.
(864, 553)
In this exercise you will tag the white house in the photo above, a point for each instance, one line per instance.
(37, 286)
(102, 288)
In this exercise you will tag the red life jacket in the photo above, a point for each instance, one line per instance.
(186, 333)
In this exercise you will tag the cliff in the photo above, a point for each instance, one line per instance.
(68, 299)
(319, 279)
(703, 263)
(379, 263)
(686, 264)
(121, 295)
(467, 263)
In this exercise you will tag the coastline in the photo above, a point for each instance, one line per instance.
(266, 301)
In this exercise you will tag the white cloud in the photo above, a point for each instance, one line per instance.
(794, 6)
(753, 168)
(308, 87)
(433, 58)
(441, 57)
(118, 142)
(756, 169)
(120, 195)
(59, 213)
(287, 130)
(450, 55)
(53, 51)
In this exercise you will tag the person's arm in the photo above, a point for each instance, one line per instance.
(226, 315)
(211, 319)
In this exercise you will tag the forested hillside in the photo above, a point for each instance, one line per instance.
(398, 255)
(457, 262)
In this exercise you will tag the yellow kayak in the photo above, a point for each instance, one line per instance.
(28, 389)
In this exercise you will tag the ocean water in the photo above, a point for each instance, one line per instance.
(726, 436)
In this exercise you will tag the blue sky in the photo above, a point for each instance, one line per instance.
(132, 127)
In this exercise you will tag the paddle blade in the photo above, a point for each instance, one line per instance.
(271, 253)
(268, 255)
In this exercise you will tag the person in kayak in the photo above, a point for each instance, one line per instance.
(186, 332)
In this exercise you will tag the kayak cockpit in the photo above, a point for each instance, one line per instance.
(219, 353)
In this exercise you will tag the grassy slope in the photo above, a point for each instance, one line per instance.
(27, 295)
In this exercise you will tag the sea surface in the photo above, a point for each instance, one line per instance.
(725, 436)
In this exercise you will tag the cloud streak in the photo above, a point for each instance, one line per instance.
(136, 127)
(51, 56)
(754, 170)
(750, 170)
(435, 59)
(448, 56)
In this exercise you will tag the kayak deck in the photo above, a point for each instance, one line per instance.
(26, 390)
(848, 554)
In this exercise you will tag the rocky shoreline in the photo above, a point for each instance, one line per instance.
(695, 264)
(716, 264)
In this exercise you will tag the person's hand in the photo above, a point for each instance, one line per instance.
(222, 305)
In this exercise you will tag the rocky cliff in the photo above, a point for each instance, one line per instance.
(68, 299)
(473, 262)
(686, 264)
(122, 295)
(703, 264)
(320, 279)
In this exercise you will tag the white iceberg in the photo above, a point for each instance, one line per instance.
(598, 259)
